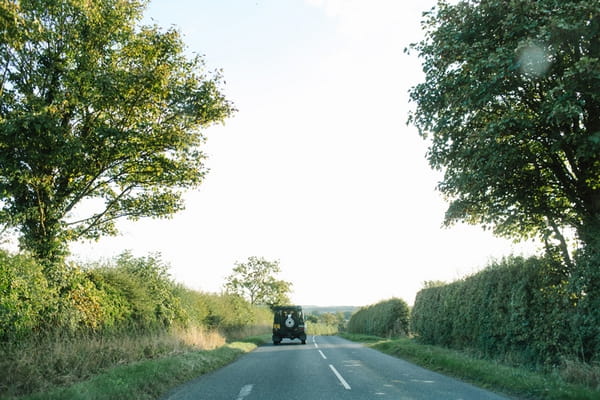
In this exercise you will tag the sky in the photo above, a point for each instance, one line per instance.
(318, 168)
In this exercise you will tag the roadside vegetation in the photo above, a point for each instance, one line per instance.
(386, 318)
(524, 311)
(520, 382)
(326, 322)
(149, 378)
(520, 326)
(102, 316)
(510, 106)
(517, 138)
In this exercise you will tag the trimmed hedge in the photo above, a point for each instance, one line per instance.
(386, 319)
(523, 310)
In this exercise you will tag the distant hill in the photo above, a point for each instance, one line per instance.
(328, 309)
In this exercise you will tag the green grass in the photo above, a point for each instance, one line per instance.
(518, 382)
(151, 378)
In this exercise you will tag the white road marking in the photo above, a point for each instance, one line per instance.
(340, 378)
(322, 355)
(420, 381)
(245, 391)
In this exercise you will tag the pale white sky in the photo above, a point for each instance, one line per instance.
(318, 168)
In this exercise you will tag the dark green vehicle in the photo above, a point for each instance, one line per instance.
(288, 323)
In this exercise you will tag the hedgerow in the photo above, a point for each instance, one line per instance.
(83, 319)
(122, 295)
(386, 318)
(524, 310)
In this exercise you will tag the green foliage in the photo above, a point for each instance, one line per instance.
(141, 290)
(255, 281)
(96, 110)
(324, 323)
(320, 329)
(127, 298)
(386, 318)
(24, 296)
(518, 309)
(584, 287)
(511, 105)
(195, 305)
(126, 294)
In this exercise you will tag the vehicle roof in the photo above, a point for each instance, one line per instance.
(279, 308)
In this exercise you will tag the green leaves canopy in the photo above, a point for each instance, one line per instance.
(255, 281)
(511, 103)
(93, 107)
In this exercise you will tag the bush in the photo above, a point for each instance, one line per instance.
(386, 319)
(24, 296)
(139, 293)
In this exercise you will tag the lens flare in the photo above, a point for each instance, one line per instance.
(533, 60)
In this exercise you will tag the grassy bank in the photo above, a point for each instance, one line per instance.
(517, 382)
(125, 368)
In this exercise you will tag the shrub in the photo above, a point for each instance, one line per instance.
(139, 292)
(24, 296)
(386, 318)
(194, 304)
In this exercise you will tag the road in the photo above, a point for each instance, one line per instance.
(328, 368)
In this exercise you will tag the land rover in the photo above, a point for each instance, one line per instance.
(288, 323)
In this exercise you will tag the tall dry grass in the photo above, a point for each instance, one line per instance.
(318, 328)
(38, 365)
(587, 374)
(247, 331)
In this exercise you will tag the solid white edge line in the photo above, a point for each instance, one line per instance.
(340, 378)
(322, 355)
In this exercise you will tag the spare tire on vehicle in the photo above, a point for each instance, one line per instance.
(289, 322)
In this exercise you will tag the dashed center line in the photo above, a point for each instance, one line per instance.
(335, 371)
(340, 378)
(244, 392)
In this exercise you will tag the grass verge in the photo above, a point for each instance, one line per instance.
(149, 379)
(518, 382)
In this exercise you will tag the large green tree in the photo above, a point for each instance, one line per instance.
(511, 106)
(96, 110)
(256, 281)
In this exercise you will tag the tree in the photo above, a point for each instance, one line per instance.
(100, 119)
(255, 281)
(511, 104)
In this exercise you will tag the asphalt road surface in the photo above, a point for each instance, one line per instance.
(328, 368)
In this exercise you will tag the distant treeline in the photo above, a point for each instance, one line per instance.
(525, 310)
(126, 294)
